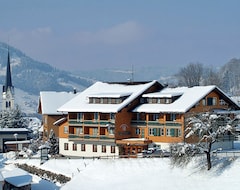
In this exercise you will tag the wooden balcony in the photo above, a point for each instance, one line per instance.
(156, 123)
(102, 123)
(87, 137)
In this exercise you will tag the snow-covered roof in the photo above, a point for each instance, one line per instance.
(13, 130)
(81, 102)
(189, 98)
(17, 177)
(110, 95)
(51, 100)
(60, 121)
(18, 142)
(162, 94)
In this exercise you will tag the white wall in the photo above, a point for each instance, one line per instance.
(88, 150)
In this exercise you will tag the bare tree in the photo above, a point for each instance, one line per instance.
(211, 77)
(190, 75)
(207, 129)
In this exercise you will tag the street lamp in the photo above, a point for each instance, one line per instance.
(16, 135)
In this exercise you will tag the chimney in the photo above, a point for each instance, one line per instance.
(74, 91)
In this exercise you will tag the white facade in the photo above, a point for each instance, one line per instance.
(66, 148)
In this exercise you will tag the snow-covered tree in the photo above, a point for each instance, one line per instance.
(11, 118)
(53, 143)
(203, 130)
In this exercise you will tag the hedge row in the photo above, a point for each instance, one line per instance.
(44, 174)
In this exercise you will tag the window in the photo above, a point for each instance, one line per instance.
(112, 149)
(79, 130)
(167, 101)
(112, 116)
(96, 116)
(156, 131)
(94, 148)
(83, 147)
(151, 131)
(222, 102)
(138, 131)
(95, 131)
(153, 117)
(204, 102)
(111, 130)
(65, 146)
(150, 100)
(74, 147)
(65, 129)
(104, 148)
(141, 116)
(211, 101)
(174, 132)
(79, 116)
(171, 117)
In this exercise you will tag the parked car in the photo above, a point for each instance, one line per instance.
(153, 152)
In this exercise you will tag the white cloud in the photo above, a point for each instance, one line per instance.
(123, 33)
(41, 31)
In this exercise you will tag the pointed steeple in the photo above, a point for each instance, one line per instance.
(8, 74)
(8, 82)
(8, 89)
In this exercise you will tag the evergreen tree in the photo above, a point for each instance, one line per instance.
(11, 118)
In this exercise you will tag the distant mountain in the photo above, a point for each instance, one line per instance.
(32, 76)
(29, 77)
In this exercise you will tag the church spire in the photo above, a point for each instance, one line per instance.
(8, 89)
(8, 82)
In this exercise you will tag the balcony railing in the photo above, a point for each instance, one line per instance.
(109, 138)
(156, 123)
(139, 122)
(91, 122)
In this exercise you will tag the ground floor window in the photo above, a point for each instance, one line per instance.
(104, 148)
(74, 147)
(65, 146)
(112, 149)
(94, 148)
(83, 147)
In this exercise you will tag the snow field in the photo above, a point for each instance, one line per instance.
(139, 174)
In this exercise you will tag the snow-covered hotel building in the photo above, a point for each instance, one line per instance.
(110, 119)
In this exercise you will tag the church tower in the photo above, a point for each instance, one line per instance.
(8, 89)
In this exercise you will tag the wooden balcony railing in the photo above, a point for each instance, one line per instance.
(156, 123)
(109, 138)
(91, 122)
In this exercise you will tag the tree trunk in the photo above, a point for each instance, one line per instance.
(209, 163)
(208, 153)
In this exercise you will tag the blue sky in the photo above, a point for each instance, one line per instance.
(80, 35)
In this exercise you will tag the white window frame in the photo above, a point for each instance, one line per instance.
(65, 130)
(137, 131)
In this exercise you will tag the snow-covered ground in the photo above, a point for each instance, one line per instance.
(131, 174)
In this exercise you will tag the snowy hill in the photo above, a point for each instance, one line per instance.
(29, 77)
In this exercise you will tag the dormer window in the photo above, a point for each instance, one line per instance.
(111, 98)
(160, 98)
